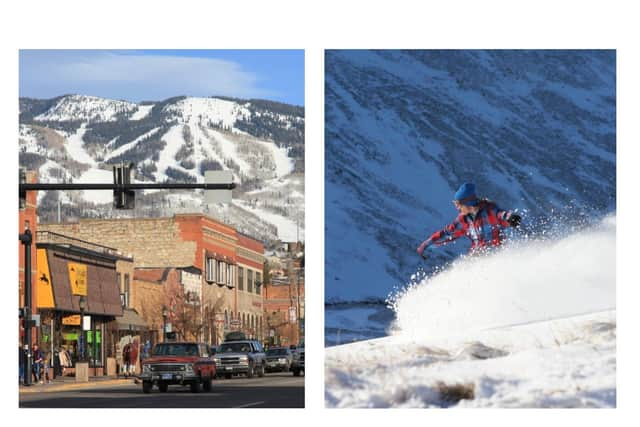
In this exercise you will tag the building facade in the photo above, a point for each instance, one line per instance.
(78, 298)
(226, 259)
(284, 298)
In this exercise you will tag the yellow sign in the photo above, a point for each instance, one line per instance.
(78, 278)
(74, 319)
(44, 292)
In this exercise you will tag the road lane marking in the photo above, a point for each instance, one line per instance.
(247, 405)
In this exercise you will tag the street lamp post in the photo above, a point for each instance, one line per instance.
(82, 303)
(26, 239)
(164, 323)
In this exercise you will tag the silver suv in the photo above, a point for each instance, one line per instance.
(240, 357)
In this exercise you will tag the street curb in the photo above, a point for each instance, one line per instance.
(41, 388)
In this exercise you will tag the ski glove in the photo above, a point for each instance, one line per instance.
(420, 251)
(514, 220)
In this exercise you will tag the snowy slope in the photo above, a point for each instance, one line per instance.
(205, 110)
(86, 109)
(521, 328)
(142, 112)
(78, 138)
(535, 131)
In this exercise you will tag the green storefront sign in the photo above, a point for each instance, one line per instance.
(73, 336)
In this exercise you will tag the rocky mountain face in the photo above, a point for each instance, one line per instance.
(76, 138)
(534, 130)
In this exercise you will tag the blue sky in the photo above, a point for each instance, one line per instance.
(154, 75)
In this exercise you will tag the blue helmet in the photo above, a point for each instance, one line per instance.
(466, 195)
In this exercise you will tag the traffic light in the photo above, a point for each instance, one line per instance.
(123, 198)
(23, 193)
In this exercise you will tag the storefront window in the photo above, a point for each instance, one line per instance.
(80, 347)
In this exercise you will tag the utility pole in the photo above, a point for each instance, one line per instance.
(26, 239)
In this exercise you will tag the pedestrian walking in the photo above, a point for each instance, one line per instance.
(65, 360)
(20, 363)
(37, 363)
(126, 357)
(133, 356)
(47, 365)
(57, 366)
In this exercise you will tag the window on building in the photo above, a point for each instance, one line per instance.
(249, 280)
(241, 278)
(210, 268)
(258, 282)
(230, 275)
(126, 290)
(222, 273)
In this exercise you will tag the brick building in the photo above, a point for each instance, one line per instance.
(284, 299)
(178, 289)
(231, 263)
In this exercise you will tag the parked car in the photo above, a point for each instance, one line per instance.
(279, 359)
(297, 364)
(181, 363)
(240, 357)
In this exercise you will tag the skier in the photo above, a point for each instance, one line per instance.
(480, 220)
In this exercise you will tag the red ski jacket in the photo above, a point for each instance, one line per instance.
(483, 229)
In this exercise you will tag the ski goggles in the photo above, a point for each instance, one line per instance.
(465, 202)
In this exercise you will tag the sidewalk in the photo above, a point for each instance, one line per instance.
(69, 383)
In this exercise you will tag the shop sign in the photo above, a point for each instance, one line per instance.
(74, 319)
(44, 291)
(78, 278)
(73, 336)
(86, 323)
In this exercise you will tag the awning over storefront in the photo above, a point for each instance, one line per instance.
(131, 320)
(102, 290)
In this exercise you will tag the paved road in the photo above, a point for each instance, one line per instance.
(277, 390)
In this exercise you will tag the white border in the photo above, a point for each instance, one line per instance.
(315, 26)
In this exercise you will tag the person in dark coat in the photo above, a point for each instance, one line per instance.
(126, 357)
(37, 363)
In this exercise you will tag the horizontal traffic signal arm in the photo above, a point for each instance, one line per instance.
(137, 186)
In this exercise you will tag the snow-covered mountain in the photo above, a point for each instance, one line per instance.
(533, 325)
(77, 138)
(534, 130)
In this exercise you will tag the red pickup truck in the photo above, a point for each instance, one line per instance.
(182, 363)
